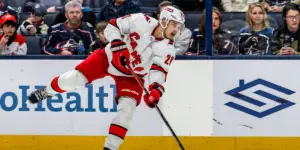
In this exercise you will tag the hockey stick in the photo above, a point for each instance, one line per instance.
(157, 108)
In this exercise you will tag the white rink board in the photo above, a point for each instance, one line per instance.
(258, 80)
(96, 103)
(188, 98)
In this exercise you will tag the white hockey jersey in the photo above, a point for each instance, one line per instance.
(148, 54)
(17, 47)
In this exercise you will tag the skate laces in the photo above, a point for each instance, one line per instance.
(41, 94)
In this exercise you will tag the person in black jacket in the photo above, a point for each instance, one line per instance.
(287, 38)
(72, 37)
(223, 41)
(118, 8)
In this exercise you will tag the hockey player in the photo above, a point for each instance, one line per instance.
(183, 41)
(147, 47)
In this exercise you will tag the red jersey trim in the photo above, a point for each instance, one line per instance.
(159, 68)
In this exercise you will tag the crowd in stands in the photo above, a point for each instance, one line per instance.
(76, 27)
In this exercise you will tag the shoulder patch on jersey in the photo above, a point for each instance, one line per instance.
(147, 18)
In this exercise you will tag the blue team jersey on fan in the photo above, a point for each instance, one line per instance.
(267, 31)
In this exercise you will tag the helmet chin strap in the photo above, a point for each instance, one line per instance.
(163, 33)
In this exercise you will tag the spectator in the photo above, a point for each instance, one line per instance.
(118, 8)
(237, 5)
(88, 14)
(254, 39)
(190, 5)
(289, 36)
(102, 41)
(274, 5)
(11, 43)
(35, 23)
(222, 39)
(71, 37)
(182, 42)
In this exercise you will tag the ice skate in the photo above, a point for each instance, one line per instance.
(38, 95)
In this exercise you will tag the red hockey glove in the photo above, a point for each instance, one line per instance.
(120, 55)
(156, 91)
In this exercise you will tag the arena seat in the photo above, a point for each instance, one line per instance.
(34, 44)
(50, 18)
(94, 3)
(50, 3)
(150, 3)
(97, 15)
(15, 3)
(275, 20)
(192, 20)
(87, 2)
(96, 10)
(148, 9)
(233, 21)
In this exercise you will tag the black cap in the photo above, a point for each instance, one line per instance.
(39, 10)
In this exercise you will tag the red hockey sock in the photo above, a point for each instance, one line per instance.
(118, 131)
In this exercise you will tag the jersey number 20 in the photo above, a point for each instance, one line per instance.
(169, 59)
